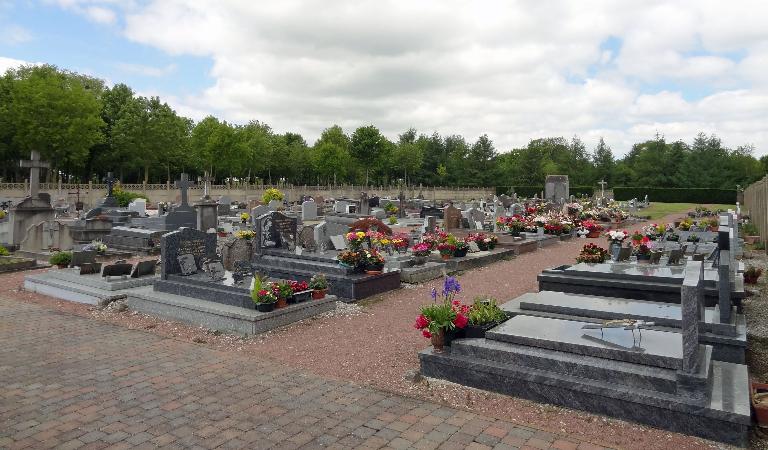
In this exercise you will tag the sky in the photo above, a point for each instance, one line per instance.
(514, 70)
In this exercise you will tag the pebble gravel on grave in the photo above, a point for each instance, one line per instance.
(374, 343)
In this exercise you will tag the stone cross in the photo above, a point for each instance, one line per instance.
(207, 185)
(34, 163)
(602, 184)
(184, 184)
(110, 180)
(691, 307)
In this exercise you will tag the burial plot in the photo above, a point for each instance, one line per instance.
(452, 218)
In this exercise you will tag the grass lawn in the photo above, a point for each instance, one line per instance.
(659, 210)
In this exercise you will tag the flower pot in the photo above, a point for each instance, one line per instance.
(318, 294)
(302, 296)
(491, 245)
(759, 397)
(281, 303)
(751, 239)
(750, 279)
(478, 331)
(438, 341)
(265, 307)
(614, 250)
(373, 272)
(445, 256)
(593, 234)
(482, 246)
(460, 253)
(643, 259)
(419, 260)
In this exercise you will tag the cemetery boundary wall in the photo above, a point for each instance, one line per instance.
(756, 202)
(530, 191)
(90, 193)
(677, 195)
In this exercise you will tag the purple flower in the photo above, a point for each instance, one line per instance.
(451, 286)
(434, 294)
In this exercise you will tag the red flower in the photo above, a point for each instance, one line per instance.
(460, 321)
(645, 239)
(421, 322)
(426, 333)
(262, 292)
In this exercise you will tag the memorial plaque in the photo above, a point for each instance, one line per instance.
(144, 268)
(117, 270)
(473, 247)
(89, 268)
(187, 264)
(339, 243)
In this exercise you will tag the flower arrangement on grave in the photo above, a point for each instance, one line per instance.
(592, 226)
(272, 194)
(485, 311)
(422, 250)
(373, 260)
(319, 285)
(638, 236)
(244, 216)
(461, 248)
(491, 241)
(540, 220)
(574, 208)
(685, 225)
(392, 220)
(553, 227)
(370, 223)
(693, 238)
(642, 248)
(446, 249)
(616, 236)
(355, 239)
(96, 246)
(300, 291)
(443, 315)
(390, 208)
(61, 259)
(430, 239)
(591, 253)
(673, 237)
(245, 234)
(400, 242)
(377, 239)
(710, 224)
(516, 224)
(350, 258)
(282, 290)
(481, 239)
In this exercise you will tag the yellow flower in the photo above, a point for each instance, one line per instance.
(360, 234)
(385, 242)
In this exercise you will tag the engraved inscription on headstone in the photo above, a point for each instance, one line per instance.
(187, 264)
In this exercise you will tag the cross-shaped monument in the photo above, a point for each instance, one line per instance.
(207, 185)
(602, 184)
(34, 164)
(110, 200)
(184, 184)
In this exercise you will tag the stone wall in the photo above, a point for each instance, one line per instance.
(91, 193)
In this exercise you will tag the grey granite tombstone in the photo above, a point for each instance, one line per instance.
(401, 205)
(225, 206)
(365, 207)
(691, 308)
(185, 241)
(452, 218)
(556, 188)
(724, 269)
(258, 212)
(143, 268)
(187, 264)
(475, 217)
(307, 239)
(275, 230)
(82, 257)
(322, 238)
(339, 243)
(90, 268)
(117, 269)
(309, 210)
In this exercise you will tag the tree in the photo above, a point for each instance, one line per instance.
(51, 111)
(480, 162)
(603, 161)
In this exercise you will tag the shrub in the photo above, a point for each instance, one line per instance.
(4, 251)
(392, 220)
(124, 198)
(485, 310)
(272, 194)
(677, 195)
(61, 258)
(749, 229)
(318, 282)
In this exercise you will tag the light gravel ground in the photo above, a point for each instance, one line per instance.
(374, 343)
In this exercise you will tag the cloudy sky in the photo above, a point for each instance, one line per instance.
(515, 70)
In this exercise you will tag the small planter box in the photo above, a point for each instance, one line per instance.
(303, 296)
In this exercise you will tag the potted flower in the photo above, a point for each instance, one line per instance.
(244, 216)
(685, 225)
(479, 239)
(446, 250)
(355, 239)
(420, 253)
(263, 295)
(392, 220)
(516, 224)
(400, 243)
(642, 249)
(374, 261)
(443, 315)
(593, 254)
(349, 259)
(593, 229)
(61, 259)
(752, 274)
(282, 291)
(673, 237)
(615, 239)
(319, 285)
(750, 232)
(462, 247)
(693, 238)
(272, 194)
(491, 241)
(300, 290)
(483, 315)
(96, 246)
(759, 397)
(245, 234)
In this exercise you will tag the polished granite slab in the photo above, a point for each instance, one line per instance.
(655, 348)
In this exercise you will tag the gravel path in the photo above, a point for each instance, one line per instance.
(373, 343)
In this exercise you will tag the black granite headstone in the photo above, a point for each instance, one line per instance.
(187, 264)
(117, 270)
(185, 241)
(144, 268)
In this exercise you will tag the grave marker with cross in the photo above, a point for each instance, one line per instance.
(183, 184)
(34, 164)
(207, 185)
(110, 200)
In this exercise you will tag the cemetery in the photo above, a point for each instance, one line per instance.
(383, 225)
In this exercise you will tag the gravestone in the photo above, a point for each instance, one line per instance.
(187, 264)
(187, 241)
(82, 257)
(476, 218)
(309, 210)
(182, 215)
(225, 206)
(430, 223)
(452, 218)
(320, 200)
(401, 205)
(322, 238)
(144, 268)
(339, 243)
(259, 211)
(506, 200)
(516, 209)
(235, 250)
(556, 188)
(724, 268)
(306, 239)
(35, 208)
(431, 211)
(138, 205)
(365, 207)
(117, 269)
(275, 230)
(110, 201)
(90, 268)
(691, 309)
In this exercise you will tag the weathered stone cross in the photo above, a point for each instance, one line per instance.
(602, 184)
(184, 184)
(207, 186)
(110, 180)
(34, 164)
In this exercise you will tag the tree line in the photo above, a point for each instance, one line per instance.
(85, 128)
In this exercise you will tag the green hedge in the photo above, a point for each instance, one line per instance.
(530, 191)
(677, 195)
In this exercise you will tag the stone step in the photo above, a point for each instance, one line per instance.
(97, 281)
(308, 264)
(46, 284)
(654, 348)
(587, 367)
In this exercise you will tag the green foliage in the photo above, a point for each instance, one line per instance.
(61, 258)
(392, 220)
(318, 282)
(272, 194)
(484, 310)
(124, 198)
(440, 315)
(4, 251)
(677, 195)
(749, 229)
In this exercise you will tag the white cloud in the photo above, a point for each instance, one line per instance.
(101, 15)
(513, 69)
(97, 11)
(147, 71)
(14, 34)
(11, 63)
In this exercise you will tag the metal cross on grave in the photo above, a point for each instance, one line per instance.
(34, 164)
(110, 180)
(184, 184)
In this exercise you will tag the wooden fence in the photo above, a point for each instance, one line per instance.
(756, 202)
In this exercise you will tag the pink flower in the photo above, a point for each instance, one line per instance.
(421, 322)
(460, 321)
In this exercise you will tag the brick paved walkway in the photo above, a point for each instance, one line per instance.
(70, 382)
